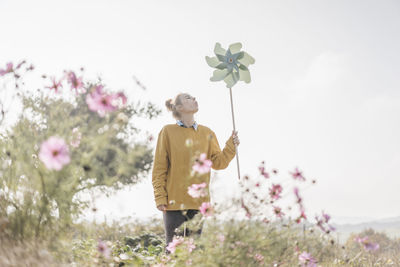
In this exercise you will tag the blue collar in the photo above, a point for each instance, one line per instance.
(180, 123)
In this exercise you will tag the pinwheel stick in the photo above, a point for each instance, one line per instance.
(234, 128)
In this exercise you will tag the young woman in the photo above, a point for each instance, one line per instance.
(177, 144)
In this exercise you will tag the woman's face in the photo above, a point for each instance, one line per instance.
(189, 104)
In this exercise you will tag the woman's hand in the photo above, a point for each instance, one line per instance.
(235, 138)
(162, 207)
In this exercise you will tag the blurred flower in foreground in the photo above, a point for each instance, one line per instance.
(76, 83)
(297, 175)
(8, 69)
(275, 191)
(174, 243)
(197, 190)
(54, 153)
(261, 168)
(306, 260)
(101, 102)
(55, 85)
(368, 245)
(206, 209)
(104, 249)
(278, 212)
(322, 223)
(190, 245)
(202, 164)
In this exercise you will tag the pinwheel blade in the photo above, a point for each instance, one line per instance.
(218, 50)
(246, 59)
(235, 48)
(244, 74)
(219, 75)
(212, 61)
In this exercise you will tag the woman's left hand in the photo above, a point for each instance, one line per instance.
(235, 138)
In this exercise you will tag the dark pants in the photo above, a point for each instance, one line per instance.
(173, 219)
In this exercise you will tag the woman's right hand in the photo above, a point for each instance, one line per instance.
(162, 207)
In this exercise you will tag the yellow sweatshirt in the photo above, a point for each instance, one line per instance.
(177, 148)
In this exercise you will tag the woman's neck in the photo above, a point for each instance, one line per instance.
(187, 119)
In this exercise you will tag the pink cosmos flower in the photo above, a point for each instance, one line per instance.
(261, 168)
(100, 102)
(197, 190)
(278, 212)
(297, 175)
(307, 260)
(368, 245)
(103, 249)
(206, 209)
(322, 222)
(190, 245)
(302, 215)
(55, 85)
(202, 165)
(76, 137)
(54, 153)
(76, 83)
(8, 69)
(275, 191)
(177, 240)
(296, 193)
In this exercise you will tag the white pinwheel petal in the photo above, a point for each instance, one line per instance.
(219, 75)
(246, 59)
(244, 75)
(218, 50)
(235, 48)
(230, 80)
(212, 61)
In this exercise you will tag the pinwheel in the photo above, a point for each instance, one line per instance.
(231, 66)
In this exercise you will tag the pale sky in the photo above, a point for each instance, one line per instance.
(324, 95)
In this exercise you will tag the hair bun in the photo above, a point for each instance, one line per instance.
(169, 105)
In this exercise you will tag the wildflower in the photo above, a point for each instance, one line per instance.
(202, 165)
(275, 191)
(307, 260)
(76, 83)
(54, 153)
(261, 168)
(197, 190)
(100, 102)
(8, 69)
(278, 212)
(296, 193)
(174, 243)
(297, 175)
(55, 85)
(103, 249)
(368, 245)
(190, 245)
(206, 209)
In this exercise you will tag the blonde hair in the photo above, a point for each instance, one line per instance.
(171, 105)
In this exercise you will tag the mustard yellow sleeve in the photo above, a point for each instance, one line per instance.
(160, 168)
(220, 159)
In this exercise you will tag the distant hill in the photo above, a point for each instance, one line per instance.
(390, 226)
